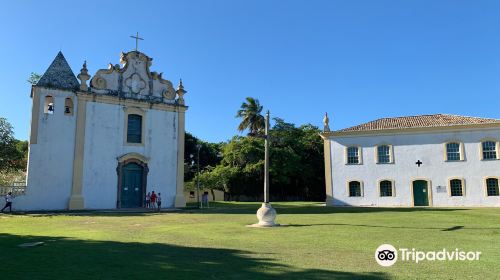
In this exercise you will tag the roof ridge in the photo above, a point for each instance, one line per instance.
(413, 116)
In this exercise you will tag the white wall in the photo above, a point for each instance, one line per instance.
(50, 163)
(104, 143)
(408, 148)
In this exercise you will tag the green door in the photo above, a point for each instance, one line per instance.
(420, 193)
(131, 188)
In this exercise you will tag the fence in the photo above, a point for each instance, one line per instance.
(16, 188)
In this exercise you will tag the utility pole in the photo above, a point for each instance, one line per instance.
(198, 146)
(266, 160)
(266, 213)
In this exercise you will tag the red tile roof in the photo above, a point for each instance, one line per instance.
(423, 121)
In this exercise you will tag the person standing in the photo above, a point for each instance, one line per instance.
(153, 200)
(158, 201)
(8, 202)
(148, 200)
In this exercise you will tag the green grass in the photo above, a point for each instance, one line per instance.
(318, 243)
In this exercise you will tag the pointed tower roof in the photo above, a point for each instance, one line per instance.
(59, 75)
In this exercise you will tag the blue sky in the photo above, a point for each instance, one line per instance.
(357, 60)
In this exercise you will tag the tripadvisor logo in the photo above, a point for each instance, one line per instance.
(387, 255)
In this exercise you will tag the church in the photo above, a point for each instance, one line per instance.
(428, 160)
(107, 144)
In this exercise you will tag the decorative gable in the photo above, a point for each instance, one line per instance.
(133, 79)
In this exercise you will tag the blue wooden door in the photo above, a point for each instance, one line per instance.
(131, 188)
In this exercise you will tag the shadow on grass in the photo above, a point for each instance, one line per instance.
(454, 228)
(244, 208)
(309, 208)
(65, 258)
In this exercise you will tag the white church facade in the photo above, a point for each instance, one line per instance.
(429, 160)
(104, 146)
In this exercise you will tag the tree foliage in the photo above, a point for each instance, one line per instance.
(252, 119)
(296, 165)
(34, 78)
(209, 155)
(13, 153)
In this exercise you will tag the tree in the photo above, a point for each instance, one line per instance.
(296, 170)
(10, 156)
(34, 78)
(250, 112)
(241, 170)
(296, 165)
(23, 148)
(209, 155)
(215, 178)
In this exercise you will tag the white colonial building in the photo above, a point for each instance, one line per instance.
(106, 145)
(429, 160)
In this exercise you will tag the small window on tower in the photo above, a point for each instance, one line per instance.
(68, 107)
(48, 107)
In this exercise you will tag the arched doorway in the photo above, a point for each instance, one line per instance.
(132, 181)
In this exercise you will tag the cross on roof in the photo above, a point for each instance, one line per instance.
(137, 38)
(418, 163)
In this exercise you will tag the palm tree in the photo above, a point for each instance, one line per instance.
(251, 117)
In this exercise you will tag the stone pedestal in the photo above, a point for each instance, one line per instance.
(266, 215)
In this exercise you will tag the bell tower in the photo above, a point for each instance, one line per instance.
(52, 136)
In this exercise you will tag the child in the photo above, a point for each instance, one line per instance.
(158, 201)
(8, 202)
(148, 200)
(153, 200)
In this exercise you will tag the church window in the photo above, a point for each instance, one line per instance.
(385, 188)
(134, 129)
(68, 107)
(384, 154)
(354, 188)
(48, 107)
(453, 152)
(353, 155)
(489, 149)
(492, 187)
(456, 187)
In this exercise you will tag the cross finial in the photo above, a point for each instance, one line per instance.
(137, 38)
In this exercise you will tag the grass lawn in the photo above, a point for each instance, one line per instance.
(318, 243)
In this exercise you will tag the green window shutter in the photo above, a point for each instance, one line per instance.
(134, 129)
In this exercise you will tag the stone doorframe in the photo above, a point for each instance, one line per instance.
(124, 160)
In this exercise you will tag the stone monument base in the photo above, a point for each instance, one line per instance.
(266, 215)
